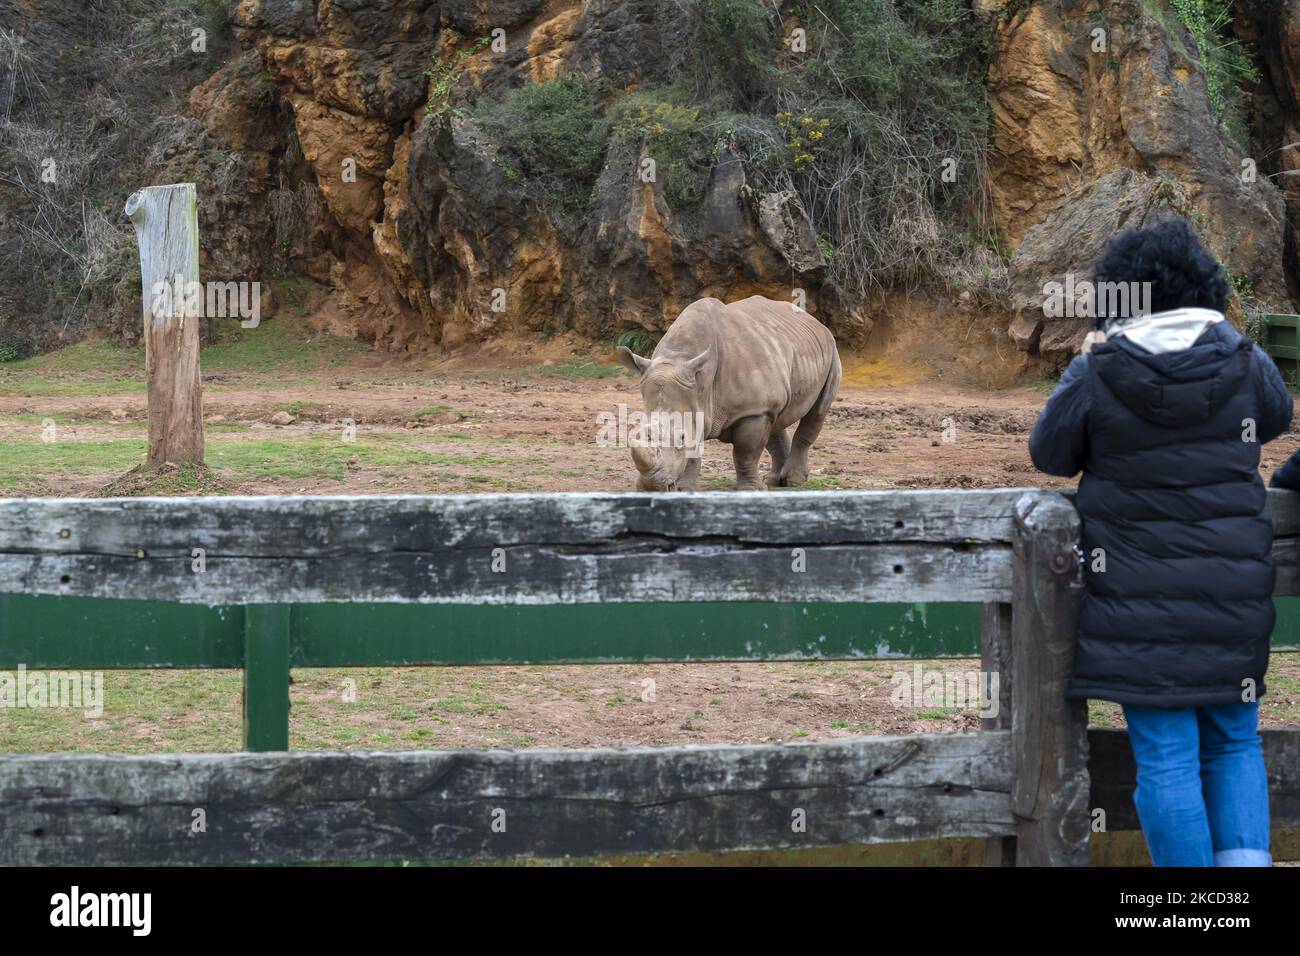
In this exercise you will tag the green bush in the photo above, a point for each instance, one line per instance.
(68, 254)
(888, 95)
(732, 46)
(682, 138)
(442, 76)
(551, 138)
(1226, 62)
(214, 17)
(638, 340)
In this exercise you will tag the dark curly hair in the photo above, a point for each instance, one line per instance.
(1182, 275)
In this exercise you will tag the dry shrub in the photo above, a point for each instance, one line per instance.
(68, 96)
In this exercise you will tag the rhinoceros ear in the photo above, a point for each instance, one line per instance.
(697, 363)
(632, 361)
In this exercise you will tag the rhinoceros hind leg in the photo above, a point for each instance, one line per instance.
(748, 436)
(795, 470)
(690, 479)
(794, 473)
(778, 446)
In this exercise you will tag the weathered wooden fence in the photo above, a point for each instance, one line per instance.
(264, 584)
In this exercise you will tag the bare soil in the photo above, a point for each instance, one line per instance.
(541, 427)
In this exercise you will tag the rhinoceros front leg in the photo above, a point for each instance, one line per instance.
(778, 446)
(748, 436)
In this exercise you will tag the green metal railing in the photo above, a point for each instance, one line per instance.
(1280, 337)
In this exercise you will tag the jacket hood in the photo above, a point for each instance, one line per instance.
(1179, 386)
(1164, 331)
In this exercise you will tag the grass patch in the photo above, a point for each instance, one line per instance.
(94, 356)
(90, 367)
(470, 705)
(68, 387)
(277, 346)
(100, 367)
(577, 369)
(1046, 385)
(162, 711)
(820, 483)
(299, 407)
(938, 714)
(23, 463)
(308, 458)
(273, 458)
(63, 418)
(388, 707)
(855, 726)
(145, 711)
(226, 427)
(186, 479)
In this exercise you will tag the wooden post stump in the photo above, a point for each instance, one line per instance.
(1049, 734)
(167, 231)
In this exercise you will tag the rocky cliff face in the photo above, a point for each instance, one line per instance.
(1272, 28)
(424, 234)
(340, 139)
(1102, 121)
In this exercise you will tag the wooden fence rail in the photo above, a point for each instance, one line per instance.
(269, 583)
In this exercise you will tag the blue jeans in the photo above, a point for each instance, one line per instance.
(1202, 793)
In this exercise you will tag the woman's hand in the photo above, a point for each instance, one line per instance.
(1091, 339)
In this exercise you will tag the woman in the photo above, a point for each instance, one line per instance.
(1164, 414)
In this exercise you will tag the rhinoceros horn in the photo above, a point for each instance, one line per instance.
(645, 459)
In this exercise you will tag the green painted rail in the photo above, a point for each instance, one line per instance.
(99, 633)
(266, 640)
(1280, 337)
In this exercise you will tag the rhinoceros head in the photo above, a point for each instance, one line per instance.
(676, 404)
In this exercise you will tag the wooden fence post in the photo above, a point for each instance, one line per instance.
(1049, 734)
(167, 231)
(995, 659)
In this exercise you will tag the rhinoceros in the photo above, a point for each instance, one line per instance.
(746, 371)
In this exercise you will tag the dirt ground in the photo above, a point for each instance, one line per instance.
(528, 432)
(517, 418)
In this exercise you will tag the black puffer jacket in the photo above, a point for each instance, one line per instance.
(1172, 506)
